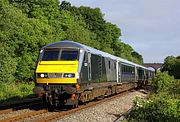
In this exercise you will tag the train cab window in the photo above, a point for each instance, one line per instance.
(60, 54)
(50, 55)
(69, 55)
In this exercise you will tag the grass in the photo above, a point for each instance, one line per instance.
(14, 91)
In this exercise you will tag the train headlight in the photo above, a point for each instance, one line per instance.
(69, 75)
(42, 75)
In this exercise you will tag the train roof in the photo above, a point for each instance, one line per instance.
(72, 44)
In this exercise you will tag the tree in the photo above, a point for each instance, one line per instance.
(172, 65)
(41, 9)
(75, 29)
(137, 57)
(44, 10)
(21, 39)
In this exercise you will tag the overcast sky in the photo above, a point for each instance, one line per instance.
(151, 27)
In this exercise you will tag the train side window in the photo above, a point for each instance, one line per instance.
(122, 68)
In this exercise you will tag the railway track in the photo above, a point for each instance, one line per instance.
(43, 115)
(24, 115)
(20, 104)
(14, 107)
(90, 104)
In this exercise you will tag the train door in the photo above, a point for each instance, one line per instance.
(119, 71)
(100, 66)
(89, 66)
(136, 74)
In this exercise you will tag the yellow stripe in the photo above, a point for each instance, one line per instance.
(57, 67)
(56, 80)
(59, 62)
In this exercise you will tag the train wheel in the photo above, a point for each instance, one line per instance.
(76, 101)
(75, 105)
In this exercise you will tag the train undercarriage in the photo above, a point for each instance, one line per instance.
(68, 95)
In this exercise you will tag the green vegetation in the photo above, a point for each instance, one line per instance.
(172, 65)
(15, 91)
(163, 105)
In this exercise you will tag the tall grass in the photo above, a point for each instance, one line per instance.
(12, 90)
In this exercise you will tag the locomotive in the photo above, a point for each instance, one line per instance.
(68, 72)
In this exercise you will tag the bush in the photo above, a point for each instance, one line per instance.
(174, 89)
(162, 81)
(162, 106)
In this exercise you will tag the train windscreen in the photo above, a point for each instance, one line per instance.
(50, 55)
(69, 55)
(60, 54)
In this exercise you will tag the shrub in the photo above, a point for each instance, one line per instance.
(174, 89)
(162, 106)
(162, 81)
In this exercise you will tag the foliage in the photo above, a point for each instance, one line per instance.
(163, 106)
(75, 29)
(160, 108)
(137, 58)
(172, 65)
(162, 81)
(21, 39)
(126, 51)
(14, 90)
(42, 9)
(7, 64)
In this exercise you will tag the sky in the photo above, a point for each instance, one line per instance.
(151, 27)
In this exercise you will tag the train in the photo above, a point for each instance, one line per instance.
(69, 73)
